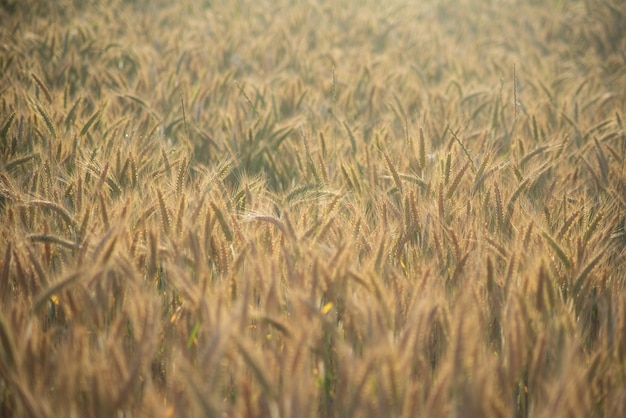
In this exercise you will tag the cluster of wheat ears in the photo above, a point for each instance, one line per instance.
(313, 208)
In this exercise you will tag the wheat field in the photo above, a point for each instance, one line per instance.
(312, 208)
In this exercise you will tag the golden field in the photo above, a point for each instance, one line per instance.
(313, 208)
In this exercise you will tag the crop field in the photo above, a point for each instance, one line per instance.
(315, 208)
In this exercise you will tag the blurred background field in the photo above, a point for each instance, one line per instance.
(313, 208)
